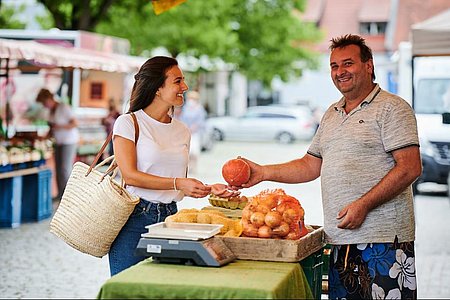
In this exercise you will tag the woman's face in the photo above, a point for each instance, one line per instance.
(48, 103)
(173, 88)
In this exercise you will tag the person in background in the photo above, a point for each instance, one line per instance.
(154, 168)
(366, 151)
(63, 128)
(109, 121)
(193, 114)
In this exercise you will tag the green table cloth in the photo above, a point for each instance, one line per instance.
(239, 279)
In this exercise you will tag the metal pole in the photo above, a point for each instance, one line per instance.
(7, 98)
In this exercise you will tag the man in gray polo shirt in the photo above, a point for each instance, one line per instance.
(366, 152)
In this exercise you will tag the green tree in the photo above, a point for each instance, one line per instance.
(85, 14)
(7, 19)
(272, 40)
(261, 38)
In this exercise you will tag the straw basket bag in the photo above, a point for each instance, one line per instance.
(94, 207)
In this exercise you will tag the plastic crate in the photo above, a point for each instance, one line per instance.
(10, 201)
(6, 168)
(326, 263)
(36, 196)
(326, 258)
(312, 267)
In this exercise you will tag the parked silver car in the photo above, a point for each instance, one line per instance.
(284, 124)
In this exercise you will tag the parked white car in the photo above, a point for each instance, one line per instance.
(284, 124)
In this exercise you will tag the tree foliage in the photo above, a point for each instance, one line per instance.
(7, 19)
(84, 14)
(260, 38)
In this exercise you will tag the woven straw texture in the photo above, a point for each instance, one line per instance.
(92, 211)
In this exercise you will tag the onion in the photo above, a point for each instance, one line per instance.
(290, 215)
(273, 219)
(281, 230)
(264, 232)
(245, 222)
(281, 208)
(246, 213)
(257, 218)
(270, 201)
(250, 230)
(253, 205)
(263, 208)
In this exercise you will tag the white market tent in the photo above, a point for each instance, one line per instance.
(52, 56)
(432, 36)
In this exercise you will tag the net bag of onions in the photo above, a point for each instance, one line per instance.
(273, 214)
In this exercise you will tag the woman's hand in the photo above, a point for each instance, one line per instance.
(222, 190)
(192, 187)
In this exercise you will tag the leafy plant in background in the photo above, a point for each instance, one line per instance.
(7, 19)
(262, 39)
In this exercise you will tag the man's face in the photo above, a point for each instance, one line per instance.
(348, 72)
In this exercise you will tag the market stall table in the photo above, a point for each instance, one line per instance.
(239, 279)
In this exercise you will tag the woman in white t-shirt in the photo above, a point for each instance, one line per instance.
(63, 128)
(155, 168)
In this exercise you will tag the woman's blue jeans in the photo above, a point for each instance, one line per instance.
(121, 253)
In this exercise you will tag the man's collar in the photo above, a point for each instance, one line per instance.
(340, 105)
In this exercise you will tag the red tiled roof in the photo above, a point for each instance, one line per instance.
(339, 17)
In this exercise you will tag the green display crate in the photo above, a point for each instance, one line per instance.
(326, 263)
(312, 267)
(326, 258)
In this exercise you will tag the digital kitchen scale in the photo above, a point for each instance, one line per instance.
(185, 243)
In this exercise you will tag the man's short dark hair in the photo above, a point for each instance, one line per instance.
(353, 39)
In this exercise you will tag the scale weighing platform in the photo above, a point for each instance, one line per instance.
(185, 243)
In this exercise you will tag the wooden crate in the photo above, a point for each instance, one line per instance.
(276, 249)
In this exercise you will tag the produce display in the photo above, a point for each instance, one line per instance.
(230, 227)
(16, 151)
(238, 202)
(236, 172)
(274, 214)
(270, 214)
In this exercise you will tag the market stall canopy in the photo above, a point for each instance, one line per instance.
(432, 36)
(51, 56)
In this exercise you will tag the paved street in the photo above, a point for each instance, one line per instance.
(36, 264)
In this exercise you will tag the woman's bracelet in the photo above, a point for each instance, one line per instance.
(175, 184)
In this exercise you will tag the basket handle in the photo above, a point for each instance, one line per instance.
(108, 139)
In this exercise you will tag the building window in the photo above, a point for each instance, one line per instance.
(96, 90)
(372, 28)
